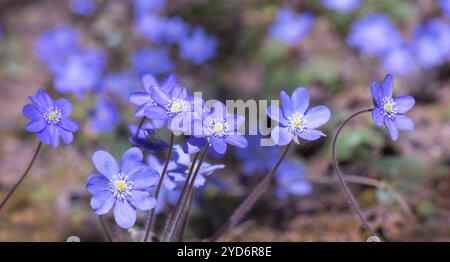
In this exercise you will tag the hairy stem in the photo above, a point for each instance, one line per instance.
(348, 194)
(251, 199)
(36, 152)
(105, 228)
(151, 215)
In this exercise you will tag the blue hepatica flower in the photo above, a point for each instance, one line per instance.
(82, 7)
(399, 61)
(374, 34)
(151, 27)
(80, 73)
(50, 119)
(146, 138)
(289, 27)
(390, 111)
(445, 6)
(120, 84)
(199, 47)
(123, 188)
(296, 120)
(143, 7)
(257, 159)
(105, 117)
(342, 6)
(183, 161)
(151, 60)
(290, 180)
(54, 45)
(175, 29)
(432, 43)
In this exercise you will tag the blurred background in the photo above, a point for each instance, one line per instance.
(94, 52)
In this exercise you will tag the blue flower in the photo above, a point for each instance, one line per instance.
(166, 197)
(399, 61)
(183, 160)
(175, 29)
(50, 119)
(151, 61)
(143, 7)
(390, 111)
(445, 6)
(105, 117)
(341, 6)
(374, 34)
(120, 84)
(123, 188)
(257, 159)
(80, 73)
(432, 43)
(199, 47)
(54, 45)
(289, 27)
(146, 138)
(290, 180)
(82, 7)
(151, 27)
(296, 120)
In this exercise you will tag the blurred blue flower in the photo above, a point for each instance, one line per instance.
(290, 180)
(50, 119)
(341, 6)
(445, 6)
(257, 159)
(123, 188)
(146, 138)
(166, 197)
(432, 43)
(175, 29)
(151, 61)
(390, 111)
(289, 27)
(143, 7)
(82, 7)
(374, 35)
(105, 117)
(120, 84)
(54, 45)
(80, 72)
(151, 27)
(198, 47)
(295, 119)
(399, 60)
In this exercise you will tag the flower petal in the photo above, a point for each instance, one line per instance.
(404, 103)
(142, 200)
(102, 202)
(31, 112)
(64, 106)
(300, 100)
(392, 129)
(140, 98)
(148, 81)
(155, 112)
(36, 126)
(311, 134)
(377, 93)
(44, 136)
(105, 163)
(237, 140)
(275, 113)
(377, 116)
(69, 125)
(144, 179)
(66, 136)
(194, 144)
(403, 122)
(96, 183)
(286, 104)
(124, 214)
(53, 132)
(281, 135)
(131, 161)
(219, 145)
(317, 116)
(388, 86)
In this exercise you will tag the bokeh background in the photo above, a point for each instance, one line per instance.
(95, 52)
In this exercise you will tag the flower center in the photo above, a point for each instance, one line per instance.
(53, 116)
(297, 123)
(389, 107)
(120, 186)
(177, 106)
(219, 127)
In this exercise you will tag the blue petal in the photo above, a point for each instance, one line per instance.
(140, 98)
(159, 96)
(64, 106)
(124, 214)
(36, 126)
(44, 98)
(69, 125)
(392, 129)
(31, 112)
(144, 178)
(377, 116)
(311, 134)
(168, 82)
(179, 92)
(403, 122)
(404, 103)
(96, 183)
(53, 132)
(281, 135)
(148, 81)
(300, 100)
(66, 136)
(237, 140)
(194, 144)
(286, 104)
(377, 93)
(102, 202)
(275, 113)
(44, 136)
(317, 116)
(140, 111)
(155, 112)
(142, 200)
(219, 145)
(388, 86)
(131, 161)
(105, 163)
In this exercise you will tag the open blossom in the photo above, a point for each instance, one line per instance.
(399, 60)
(50, 119)
(124, 187)
(104, 117)
(290, 180)
(295, 119)
(151, 60)
(390, 111)
(289, 27)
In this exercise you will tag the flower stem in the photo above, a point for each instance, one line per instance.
(186, 217)
(348, 195)
(141, 123)
(151, 215)
(175, 228)
(36, 152)
(251, 199)
(105, 228)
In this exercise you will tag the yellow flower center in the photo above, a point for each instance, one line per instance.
(120, 185)
(296, 123)
(388, 107)
(218, 127)
(52, 116)
(175, 108)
